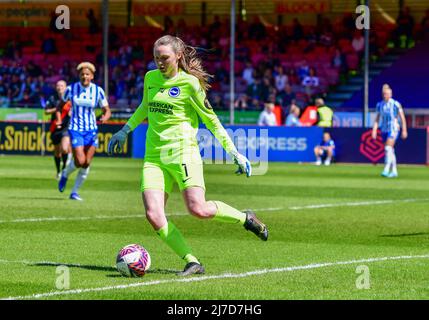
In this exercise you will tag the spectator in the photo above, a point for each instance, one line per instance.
(265, 88)
(255, 89)
(267, 117)
(125, 55)
(220, 74)
(4, 99)
(254, 104)
(286, 96)
(310, 82)
(168, 25)
(3, 67)
(224, 85)
(132, 95)
(325, 150)
(257, 29)
(49, 46)
(281, 79)
(338, 61)
(93, 23)
(242, 52)
(114, 40)
(34, 70)
(27, 100)
(13, 50)
(218, 103)
(181, 28)
(292, 119)
(348, 24)
(216, 24)
(303, 70)
(327, 35)
(298, 31)
(65, 70)
(405, 26)
(15, 88)
(425, 25)
(324, 113)
(358, 43)
(241, 103)
(248, 73)
(292, 76)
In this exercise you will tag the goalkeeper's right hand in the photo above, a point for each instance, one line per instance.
(117, 141)
(243, 163)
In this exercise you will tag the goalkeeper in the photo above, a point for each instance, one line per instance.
(173, 98)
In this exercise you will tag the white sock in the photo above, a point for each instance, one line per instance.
(387, 158)
(81, 177)
(394, 169)
(70, 168)
(318, 159)
(69, 158)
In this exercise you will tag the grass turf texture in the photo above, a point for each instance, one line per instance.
(297, 237)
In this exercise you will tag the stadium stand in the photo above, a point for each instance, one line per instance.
(325, 48)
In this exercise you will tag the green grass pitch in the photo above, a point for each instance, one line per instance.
(312, 252)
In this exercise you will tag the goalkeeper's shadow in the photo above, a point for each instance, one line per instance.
(99, 268)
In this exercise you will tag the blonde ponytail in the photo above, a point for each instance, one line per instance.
(189, 60)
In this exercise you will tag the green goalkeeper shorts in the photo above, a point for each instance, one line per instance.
(163, 176)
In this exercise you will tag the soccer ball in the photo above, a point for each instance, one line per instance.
(133, 261)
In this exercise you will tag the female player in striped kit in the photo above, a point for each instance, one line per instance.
(392, 117)
(85, 96)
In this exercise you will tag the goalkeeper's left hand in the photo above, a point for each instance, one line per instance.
(243, 163)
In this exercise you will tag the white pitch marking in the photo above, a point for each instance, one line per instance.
(213, 277)
(353, 204)
(314, 206)
(48, 219)
(268, 209)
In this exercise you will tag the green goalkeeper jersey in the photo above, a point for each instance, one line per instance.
(172, 107)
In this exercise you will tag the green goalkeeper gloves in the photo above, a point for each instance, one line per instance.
(117, 141)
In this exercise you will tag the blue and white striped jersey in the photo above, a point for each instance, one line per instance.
(389, 115)
(84, 101)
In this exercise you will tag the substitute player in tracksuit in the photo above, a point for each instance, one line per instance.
(392, 118)
(174, 96)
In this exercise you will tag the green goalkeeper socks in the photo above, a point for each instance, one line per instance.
(226, 213)
(174, 239)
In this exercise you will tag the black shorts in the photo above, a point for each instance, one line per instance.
(58, 135)
(324, 155)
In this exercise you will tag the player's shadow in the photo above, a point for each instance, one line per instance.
(405, 235)
(71, 265)
(98, 268)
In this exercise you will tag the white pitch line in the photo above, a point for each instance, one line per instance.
(213, 277)
(98, 217)
(353, 204)
(48, 219)
(314, 206)
(269, 209)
